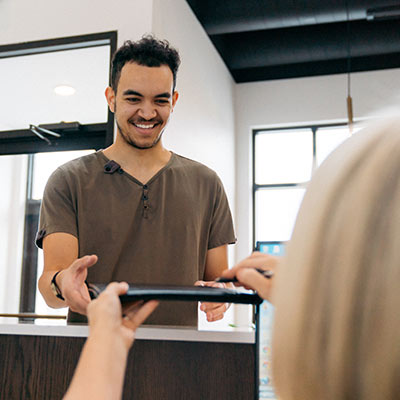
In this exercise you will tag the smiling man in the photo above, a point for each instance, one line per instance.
(135, 211)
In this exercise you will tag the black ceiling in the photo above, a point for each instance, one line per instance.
(275, 39)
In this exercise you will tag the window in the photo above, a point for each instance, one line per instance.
(56, 85)
(284, 161)
(55, 111)
(42, 167)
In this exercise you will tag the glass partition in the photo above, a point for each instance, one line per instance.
(59, 83)
(12, 212)
(47, 88)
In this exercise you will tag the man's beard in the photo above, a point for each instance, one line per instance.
(134, 144)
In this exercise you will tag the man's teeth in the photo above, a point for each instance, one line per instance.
(145, 126)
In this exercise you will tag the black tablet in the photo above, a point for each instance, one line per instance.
(180, 293)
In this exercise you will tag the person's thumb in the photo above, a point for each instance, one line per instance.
(84, 262)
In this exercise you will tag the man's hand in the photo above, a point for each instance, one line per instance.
(251, 279)
(214, 311)
(71, 282)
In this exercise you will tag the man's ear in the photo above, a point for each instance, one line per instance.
(175, 97)
(110, 96)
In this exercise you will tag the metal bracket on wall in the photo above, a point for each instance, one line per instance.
(40, 132)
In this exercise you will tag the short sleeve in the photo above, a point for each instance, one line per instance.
(221, 228)
(58, 210)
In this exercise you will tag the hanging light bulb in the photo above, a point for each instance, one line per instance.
(349, 105)
(349, 100)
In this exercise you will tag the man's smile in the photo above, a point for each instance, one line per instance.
(145, 126)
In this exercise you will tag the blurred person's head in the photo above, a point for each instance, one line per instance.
(337, 323)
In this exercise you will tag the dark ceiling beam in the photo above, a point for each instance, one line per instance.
(307, 69)
(221, 16)
(317, 43)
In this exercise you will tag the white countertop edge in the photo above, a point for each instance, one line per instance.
(143, 333)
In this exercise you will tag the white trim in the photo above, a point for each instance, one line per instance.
(143, 333)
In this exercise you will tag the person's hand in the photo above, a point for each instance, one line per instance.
(105, 314)
(251, 279)
(71, 282)
(213, 311)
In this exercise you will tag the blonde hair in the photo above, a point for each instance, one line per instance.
(337, 322)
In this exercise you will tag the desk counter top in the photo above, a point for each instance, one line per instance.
(143, 333)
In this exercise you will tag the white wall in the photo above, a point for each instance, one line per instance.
(202, 126)
(296, 101)
(27, 20)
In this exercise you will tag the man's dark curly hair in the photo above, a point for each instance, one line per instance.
(149, 52)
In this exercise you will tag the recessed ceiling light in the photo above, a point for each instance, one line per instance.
(64, 90)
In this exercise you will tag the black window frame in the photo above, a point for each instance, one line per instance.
(255, 187)
(73, 137)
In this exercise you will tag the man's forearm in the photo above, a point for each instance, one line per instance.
(45, 289)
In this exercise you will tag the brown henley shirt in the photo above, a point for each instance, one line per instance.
(158, 232)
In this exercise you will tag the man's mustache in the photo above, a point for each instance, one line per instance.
(145, 121)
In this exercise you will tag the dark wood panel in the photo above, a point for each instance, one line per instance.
(41, 367)
(33, 367)
(190, 370)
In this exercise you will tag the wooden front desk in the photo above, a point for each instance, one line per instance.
(37, 362)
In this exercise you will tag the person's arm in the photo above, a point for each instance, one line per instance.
(246, 275)
(60, 254)
(216, 263)
(101, 367)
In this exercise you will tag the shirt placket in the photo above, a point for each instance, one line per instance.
(145, 200)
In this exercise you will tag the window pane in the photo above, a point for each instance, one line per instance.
(12, 216)
(46, 163)
(327, 139)
(30, 82)
(283, 156)
(276, 211)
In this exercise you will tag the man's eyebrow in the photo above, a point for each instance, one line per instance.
(165, 94)
(131, 92)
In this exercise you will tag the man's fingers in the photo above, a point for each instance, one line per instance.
(210, 284)
(206, 306)
(84, 262)
(213, 318)
(217, 313)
